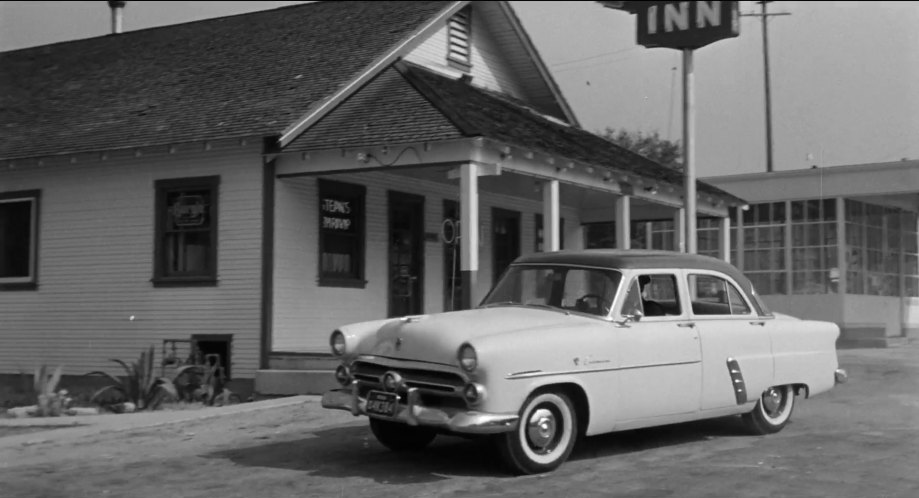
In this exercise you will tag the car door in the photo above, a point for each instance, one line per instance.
(659, 354)
(737, 363)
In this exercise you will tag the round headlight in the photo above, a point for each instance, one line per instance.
(337, 341)
(467, 358)
(342, 375)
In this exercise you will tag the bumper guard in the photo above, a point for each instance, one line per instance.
(414, 413)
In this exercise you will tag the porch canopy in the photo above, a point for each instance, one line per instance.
(414, 121)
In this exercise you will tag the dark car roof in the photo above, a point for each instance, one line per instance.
(627, 259)
(643, 259)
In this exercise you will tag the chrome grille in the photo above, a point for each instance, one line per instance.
(371, 375)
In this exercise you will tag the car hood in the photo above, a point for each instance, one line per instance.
(436, 338)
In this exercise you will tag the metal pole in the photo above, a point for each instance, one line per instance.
(689, 163)
(768, 93)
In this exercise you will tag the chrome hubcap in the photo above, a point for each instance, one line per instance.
(772, 401)
(541, 428)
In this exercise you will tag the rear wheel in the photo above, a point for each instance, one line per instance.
(772, 411)
(401, 437)
(544, 437)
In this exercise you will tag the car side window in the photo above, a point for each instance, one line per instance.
(713, 295)
(654, 295)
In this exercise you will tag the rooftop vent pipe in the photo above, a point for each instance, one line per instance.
(117, 16)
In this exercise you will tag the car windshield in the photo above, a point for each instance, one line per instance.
(567, 288)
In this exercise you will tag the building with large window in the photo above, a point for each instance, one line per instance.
(836, 243)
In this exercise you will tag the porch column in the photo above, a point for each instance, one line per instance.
(550, 216)
(469, 231)
(724, 241)
(679, 230)
(623, 219)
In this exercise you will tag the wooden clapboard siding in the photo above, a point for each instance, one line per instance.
(305, 314)
(96, 233)
(489, 69)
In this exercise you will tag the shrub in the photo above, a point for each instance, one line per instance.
(139, 385)
(49, 401)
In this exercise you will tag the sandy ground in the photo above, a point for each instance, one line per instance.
(859, 440)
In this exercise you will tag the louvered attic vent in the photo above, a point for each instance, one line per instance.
(459, 35)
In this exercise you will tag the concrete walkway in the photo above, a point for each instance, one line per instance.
(72, 427)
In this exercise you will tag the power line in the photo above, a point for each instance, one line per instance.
(592, 57)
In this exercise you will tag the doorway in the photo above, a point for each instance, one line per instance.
(406, 254)
(506, 246)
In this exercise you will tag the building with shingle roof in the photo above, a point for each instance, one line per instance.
(240, 186)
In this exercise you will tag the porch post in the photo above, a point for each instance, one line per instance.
(724, 241)
(550, 216)
(679, 230)
(469, 231)
(623, 219)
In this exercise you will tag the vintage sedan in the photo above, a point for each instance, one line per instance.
(577, 343)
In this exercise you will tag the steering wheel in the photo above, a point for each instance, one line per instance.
(583, 303)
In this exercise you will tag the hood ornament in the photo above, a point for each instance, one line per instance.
(398, 343)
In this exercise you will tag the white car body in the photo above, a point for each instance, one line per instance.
(618, 369)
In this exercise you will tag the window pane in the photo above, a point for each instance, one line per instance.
(829, 209)
(187, 253)
(186, 228)
(778, 213)
(341, 233)
(15, 238)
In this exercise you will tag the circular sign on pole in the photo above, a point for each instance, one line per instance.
(450, 231)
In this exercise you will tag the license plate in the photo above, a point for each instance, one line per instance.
(380, 403)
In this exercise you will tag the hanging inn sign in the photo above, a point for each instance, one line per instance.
(682, 25)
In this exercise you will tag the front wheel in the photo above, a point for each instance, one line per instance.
(772, 411)
(401, 437)
(544, 437)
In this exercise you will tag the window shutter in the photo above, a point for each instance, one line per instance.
(459, 34)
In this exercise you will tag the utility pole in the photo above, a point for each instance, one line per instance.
(765, 17)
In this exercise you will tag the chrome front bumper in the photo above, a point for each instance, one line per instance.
(413, 413)
(841, 376)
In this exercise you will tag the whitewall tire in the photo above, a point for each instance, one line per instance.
(545, 434)
(772, 410)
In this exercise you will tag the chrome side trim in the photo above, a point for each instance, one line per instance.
(414, 413)
(540, 373)
(737, 382)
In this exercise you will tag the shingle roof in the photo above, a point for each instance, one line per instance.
(479, 112)
(385, 111)
(247, 75)
(427, 106)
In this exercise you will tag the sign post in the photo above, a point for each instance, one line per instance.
(684, 26)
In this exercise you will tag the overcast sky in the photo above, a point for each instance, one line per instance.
(844, 74)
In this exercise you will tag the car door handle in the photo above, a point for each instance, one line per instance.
(761, 324)
(688, 324)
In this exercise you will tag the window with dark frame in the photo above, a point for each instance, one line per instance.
(186, 231)
(341, 234)
(19, 240)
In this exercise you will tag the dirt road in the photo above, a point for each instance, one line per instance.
(861, 439)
